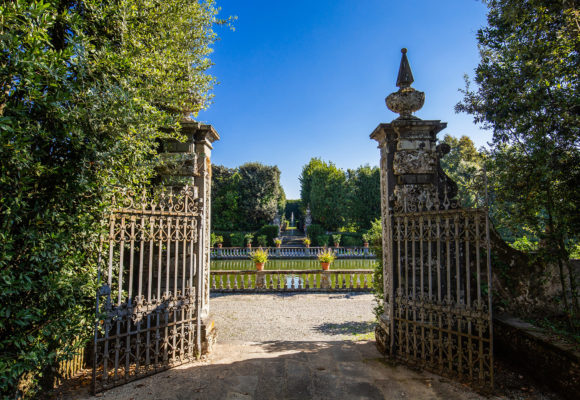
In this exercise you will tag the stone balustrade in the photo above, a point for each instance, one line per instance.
(315, 280)
(228, 253)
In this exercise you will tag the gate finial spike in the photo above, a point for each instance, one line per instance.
(405, 77)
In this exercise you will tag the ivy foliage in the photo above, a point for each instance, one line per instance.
(87, 88)
(527, 92)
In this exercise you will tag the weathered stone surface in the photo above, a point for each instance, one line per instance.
(550, 360)
(405, 102)
(415, 162)
(189, 163)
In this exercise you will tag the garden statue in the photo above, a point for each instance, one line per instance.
(307, 219)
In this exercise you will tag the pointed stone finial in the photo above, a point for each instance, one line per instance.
(405, 77)
(406, 100)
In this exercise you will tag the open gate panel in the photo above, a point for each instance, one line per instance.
(147, 304)
(442, 299)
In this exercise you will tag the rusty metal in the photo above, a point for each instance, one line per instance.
(442, 281)
(146, 303)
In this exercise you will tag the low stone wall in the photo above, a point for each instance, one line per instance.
(550, 361)
(288, 280)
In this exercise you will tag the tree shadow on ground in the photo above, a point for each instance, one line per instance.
(346, 328)
(296, 370)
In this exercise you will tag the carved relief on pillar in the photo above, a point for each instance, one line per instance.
(414, 162)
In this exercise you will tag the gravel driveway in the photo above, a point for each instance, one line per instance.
(293, 317)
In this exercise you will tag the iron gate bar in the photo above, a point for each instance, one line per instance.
(140, 335)
(450, 334)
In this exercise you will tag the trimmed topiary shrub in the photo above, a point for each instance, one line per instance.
(237, 239)
(315, 230)
(270, 231)
(225, 235)
(321, 240)
(350, 241)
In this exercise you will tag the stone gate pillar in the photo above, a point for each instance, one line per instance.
(203, 136)
(411, 179)
(189, 163)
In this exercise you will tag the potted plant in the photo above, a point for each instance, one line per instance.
(278, 242)
(259, 257)
(366, 238)
(326, 258)
(307, 242)
(219, 241)
(336, 240)
(248, 239)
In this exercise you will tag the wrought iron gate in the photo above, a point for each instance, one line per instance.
(442, 293)
(147, 305)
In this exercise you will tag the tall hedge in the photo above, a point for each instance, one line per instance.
(245, 198)
(339, 199)
(225, 198)
(87, 88)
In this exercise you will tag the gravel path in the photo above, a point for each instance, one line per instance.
(293, 317)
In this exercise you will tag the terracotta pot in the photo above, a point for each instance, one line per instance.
(366, 244)
(249, 245)
(260, 266)
(307, 246)
(336, 244)
(219, 245)
(278, 245)
(325, 266)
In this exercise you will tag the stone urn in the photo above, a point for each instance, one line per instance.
(259, 266)
(406, 100)
(325, 266)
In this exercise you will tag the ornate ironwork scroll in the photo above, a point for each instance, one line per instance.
(147, 305)
(442, 282)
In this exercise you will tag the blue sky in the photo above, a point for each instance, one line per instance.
(307, 79)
